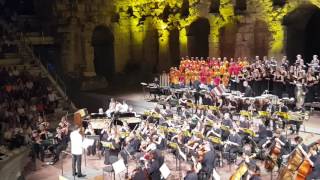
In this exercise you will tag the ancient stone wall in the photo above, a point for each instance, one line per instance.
(143, 30)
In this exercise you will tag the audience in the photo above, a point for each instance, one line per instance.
(25, 101)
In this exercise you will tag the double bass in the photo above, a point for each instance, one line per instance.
(298, 166)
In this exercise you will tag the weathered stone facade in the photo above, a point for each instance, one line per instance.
(143, 30)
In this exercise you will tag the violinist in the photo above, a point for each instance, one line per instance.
(60, 143)
(132, 146)
(191, 173)
(112, 148)
(91, 150)
(154, 164)
(207, 159)
(226, 122)
(215, 132)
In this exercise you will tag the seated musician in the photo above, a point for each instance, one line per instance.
(167, 112)
(195, 121)
(91, 150)
(278, 141)
(139, 173)
(192, 144)
(153, 165)
(298, 141)
(267, 107)
(132, 146)
(283, 108)
(315, 158)
(215, 132)
(226, 122)
(172, 99)
(263, 134)
(207, 162)
(253, 170)
(60, 143)
(191, 173)
(233, 144)
(111, 152)
(111, 108)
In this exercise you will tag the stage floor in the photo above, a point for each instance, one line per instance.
(139, 102)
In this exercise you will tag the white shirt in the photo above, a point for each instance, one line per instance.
(124, 108)
(52, 97)
(76, 142)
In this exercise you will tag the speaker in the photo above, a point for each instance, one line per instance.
(279, 2)
(214, 6)
(241, 5)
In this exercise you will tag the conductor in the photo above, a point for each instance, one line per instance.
(76, 151)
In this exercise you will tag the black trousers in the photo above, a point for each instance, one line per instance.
(76, 161)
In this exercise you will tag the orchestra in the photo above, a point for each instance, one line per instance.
(217, 111)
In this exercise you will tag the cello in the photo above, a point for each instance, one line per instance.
(273, 155)
(306, 166)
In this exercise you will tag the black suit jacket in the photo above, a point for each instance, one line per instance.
(208, 162)
(248, 92)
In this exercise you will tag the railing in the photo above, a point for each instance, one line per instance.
(52, 74)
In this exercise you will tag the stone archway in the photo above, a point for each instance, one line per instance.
(102, 42)
(302, 30)
(198, 34)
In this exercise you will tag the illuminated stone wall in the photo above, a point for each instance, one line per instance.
(141, 30)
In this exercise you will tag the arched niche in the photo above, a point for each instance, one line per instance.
(302, 32)
(102, 42)
(198, 33)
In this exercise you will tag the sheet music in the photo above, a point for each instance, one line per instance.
(165, 171)
(184, 156)
(87, 142)
(119, 166)
(215, 175)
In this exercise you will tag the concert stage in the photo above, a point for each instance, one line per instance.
(94, 165)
